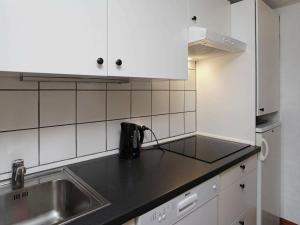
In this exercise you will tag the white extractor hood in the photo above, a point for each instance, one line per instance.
(205, 44)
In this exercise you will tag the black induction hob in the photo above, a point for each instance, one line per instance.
(204, 148)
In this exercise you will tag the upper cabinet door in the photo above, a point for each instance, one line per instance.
(54, 36)
(148, 38)
(214, 15)
(268, 80)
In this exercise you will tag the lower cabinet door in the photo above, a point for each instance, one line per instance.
(207, 214)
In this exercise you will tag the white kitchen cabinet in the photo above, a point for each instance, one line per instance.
(238, 190)
(268, 80)
(53, 36)
(149, 38)
(213, 14)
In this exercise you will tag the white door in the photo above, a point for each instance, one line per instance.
(218, 21)
(207, 214)
(270, 175)
(267, 59)
(53, 36)
(148, 38)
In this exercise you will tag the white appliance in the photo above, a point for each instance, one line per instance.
(204, 43)
(197, 204)
(269, 173)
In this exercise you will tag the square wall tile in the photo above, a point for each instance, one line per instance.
(57, 144)
(7, 81)
(57, 107)
(91, 86)
(18, 145)
(141, 84)
(176, 124)
(177, 85)
(91, 138)
(160, 126)
(19, 110)
(176, 101)
(58, 85)
(118, 104)
(113, 133)
(144, 121)
(190, 84)
(160, 84)
(91, 106)
(160, 102)
(190, 122)
(123, 86)
(190, 101)
(141, 103)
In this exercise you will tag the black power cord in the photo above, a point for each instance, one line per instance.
(157, 146)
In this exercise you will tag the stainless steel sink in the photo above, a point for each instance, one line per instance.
(55, 197)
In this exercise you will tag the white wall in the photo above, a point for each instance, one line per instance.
(226, 85)
(290, 110)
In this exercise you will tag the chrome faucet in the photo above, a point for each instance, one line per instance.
(18, 173)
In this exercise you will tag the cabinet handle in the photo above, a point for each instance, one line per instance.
(100, 61)
(242, 186)
(194, 18)
(262, 109)
(241, 222)
(243, 167)
(119, 62)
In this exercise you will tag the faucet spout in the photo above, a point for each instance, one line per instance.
(18, 174)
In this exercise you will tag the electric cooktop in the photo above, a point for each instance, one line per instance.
(203, 148)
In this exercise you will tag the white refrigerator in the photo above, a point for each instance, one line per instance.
(268, 137)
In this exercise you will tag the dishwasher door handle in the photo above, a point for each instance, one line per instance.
(187, 204)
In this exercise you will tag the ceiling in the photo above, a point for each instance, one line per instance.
(280, 3)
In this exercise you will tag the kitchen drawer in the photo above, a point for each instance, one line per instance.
(247, 218)
(237, 172)
(232, 202)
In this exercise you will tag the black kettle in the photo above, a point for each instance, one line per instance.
(132, 137)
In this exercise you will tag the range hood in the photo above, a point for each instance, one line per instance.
(205, 44)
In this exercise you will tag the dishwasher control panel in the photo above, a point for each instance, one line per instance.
(181, 206)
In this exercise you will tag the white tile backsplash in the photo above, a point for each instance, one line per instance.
(118, 105)
(91, 106)
(57, 143)
(141, 103)
(57, 108)
(176, 101)
(190, 122)
(13, 82)
(18, 145)
(91, 138)
(176, 124)
(83, 119)
(160, 102)
(190, 101)
(160, 126)
(113, 133)
(18, 110)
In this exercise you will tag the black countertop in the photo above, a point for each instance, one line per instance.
(134, 187)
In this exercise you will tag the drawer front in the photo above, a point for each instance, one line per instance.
(235, 173)
(232, 203)
(247, 218)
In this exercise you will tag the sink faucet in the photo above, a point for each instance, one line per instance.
(18, 173)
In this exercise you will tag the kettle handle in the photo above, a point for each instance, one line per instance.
(141, 135)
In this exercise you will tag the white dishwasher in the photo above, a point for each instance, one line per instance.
(196, 206)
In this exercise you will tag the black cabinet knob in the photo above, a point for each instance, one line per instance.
(242, 186)
(100, 61)
(262, 109)
(119, 62)
(243, 167)
(241, 222)
(194, 18)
